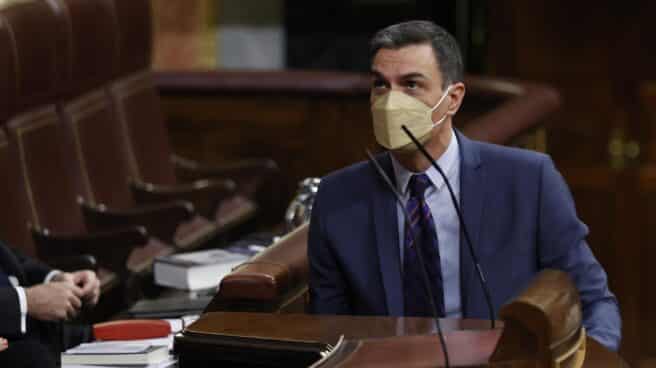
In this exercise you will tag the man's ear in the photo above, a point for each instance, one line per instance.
(456, 95)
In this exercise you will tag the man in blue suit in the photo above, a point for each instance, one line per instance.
(516, 206)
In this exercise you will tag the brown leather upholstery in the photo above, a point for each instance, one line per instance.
(32, 58)
(7, 71)
(40, 68)
(269, 281)
(46, 177)
(90, 131)
(138, 107)
(40, 179)
(14, 216)
(91, 31)
(144, 138)
(135, 98)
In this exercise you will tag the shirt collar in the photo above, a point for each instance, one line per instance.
(449, 162)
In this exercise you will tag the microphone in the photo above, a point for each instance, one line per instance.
(420, 256)
(481, 277)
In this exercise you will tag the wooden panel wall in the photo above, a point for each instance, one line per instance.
(300, 133)
(596, 54)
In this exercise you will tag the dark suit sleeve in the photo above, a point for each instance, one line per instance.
(327, 287)
(9, 312)
(563, 246)
(34, 270)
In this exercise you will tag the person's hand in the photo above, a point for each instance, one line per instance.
(53, 301)
(4, 344)
(86, 280)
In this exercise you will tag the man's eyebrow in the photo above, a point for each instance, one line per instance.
(376, 73)
(414, 75)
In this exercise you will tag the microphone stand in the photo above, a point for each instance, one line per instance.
(481, 277)
(420, 257)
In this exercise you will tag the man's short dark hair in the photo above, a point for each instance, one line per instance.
(445, 47)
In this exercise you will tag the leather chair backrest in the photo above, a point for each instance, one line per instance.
(37, 144)
(7, 70)
(91, 126)
(33, 57)
(144, 134)
(91, 26)
(14, 217)
(135, 98)
(37, 150)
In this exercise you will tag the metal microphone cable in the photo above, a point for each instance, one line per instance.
(481, 276)
(420, 257)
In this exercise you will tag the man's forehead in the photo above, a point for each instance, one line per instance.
(405, 61)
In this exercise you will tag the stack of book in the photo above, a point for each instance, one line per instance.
(196, 270)
(117, 354)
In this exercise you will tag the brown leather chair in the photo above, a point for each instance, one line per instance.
(38, 182)
(91, 153)
(146, 140)
(96, 135)
(14, 216)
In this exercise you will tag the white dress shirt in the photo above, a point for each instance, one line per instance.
(445, 216)
(22, 298)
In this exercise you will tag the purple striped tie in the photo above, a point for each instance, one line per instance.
(425, 240)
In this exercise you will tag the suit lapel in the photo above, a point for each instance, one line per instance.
(472, 198)
(384, 209)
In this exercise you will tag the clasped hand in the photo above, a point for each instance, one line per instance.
(64, 296)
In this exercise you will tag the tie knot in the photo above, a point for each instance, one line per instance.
(418, 185)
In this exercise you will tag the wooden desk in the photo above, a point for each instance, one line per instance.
(297, 340)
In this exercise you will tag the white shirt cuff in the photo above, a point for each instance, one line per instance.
(22, 301)
(50, 275)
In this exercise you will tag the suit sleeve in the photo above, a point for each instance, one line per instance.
(35, 270)
(563, 246)
(10, 314)
(327, 287)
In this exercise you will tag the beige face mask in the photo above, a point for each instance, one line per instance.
(395, 109)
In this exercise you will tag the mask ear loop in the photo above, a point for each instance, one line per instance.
(446, 93)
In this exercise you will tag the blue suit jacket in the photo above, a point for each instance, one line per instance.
(517, 209)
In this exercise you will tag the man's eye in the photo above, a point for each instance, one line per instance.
(378, 84)
(411, 84)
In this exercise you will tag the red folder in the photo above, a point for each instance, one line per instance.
(133, 329)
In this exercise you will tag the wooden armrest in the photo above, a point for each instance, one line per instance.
(110, 248)
(159, 220)
(519, 107)
(205, 195)
(543, 323)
